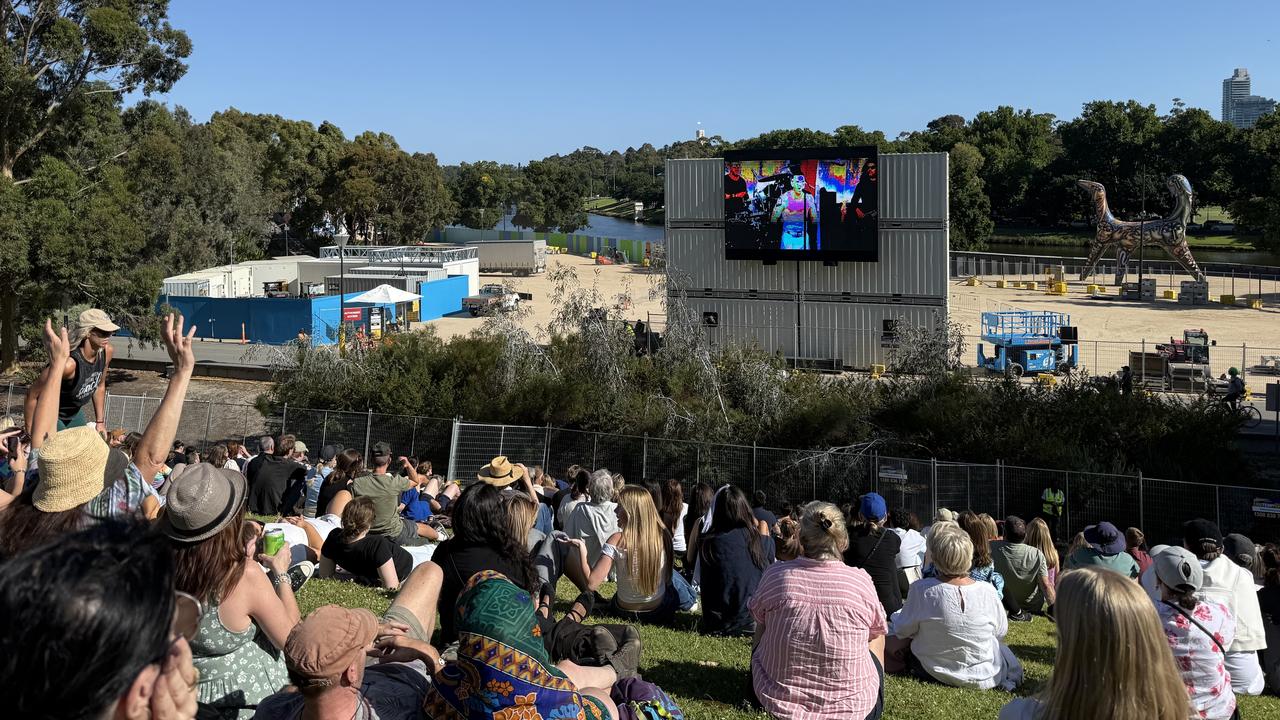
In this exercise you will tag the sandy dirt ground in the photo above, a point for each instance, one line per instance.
(609, 281)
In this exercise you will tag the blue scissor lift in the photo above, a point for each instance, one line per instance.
(1028, 341)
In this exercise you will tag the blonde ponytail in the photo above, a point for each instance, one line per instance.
(823, 535)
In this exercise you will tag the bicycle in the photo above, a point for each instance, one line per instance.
(1250, 416)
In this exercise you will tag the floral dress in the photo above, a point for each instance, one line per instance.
(237, 670)
(1198, 657)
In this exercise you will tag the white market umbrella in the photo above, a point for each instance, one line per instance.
(385, 295)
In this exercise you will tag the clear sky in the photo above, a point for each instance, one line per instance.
(513, 81)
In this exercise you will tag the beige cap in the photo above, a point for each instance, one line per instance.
(95, 319)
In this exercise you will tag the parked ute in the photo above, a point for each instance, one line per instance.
(492, 298)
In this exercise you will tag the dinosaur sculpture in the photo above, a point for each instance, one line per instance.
(1169, 233)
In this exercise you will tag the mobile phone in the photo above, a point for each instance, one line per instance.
(12, 442)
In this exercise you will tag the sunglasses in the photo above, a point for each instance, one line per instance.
(187, 611)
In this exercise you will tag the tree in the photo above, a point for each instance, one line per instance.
(1256, 171)
(794, 138)
(57, 55)
(1113, 143)
(1017, 147)
(60, 63)
(853, 136)
(1194, 144)
(551, 198)
(483, 191)
(971, 224)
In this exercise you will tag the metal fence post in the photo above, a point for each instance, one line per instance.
(453, 449)
(1142, 506)
(1066, 486)
(1244, 364)
(208, 423)
(368, 430)
(1217, 504)
(8, 401)
(755, 468)
(644, 458)
(284, 422)
(933, 495)
(324, 429)
(1144, 367)
(546, 450)
(933, 478)
(413, 438)
(815, 479)
(502, 438)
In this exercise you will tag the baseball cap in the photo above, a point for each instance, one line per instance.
(300, 447)
(944, 515)
(328, 452)
(1194, 532)
(381, 450)
(96, 319)
(328, 642)
(1179, 569)
(873, 507)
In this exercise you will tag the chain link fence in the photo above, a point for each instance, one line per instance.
(788, 476)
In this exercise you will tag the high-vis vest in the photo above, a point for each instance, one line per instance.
(1053, 501)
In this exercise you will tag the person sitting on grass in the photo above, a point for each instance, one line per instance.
(1113, 657)
(874, 548)
(910, 558)
(90, 627)
(642, 555)
(482, 540)
(384, 489)
(1038, 537)
(372, 559)
(818, 650)
(1135, 542)
(1198, 632)
(326, 657)
(984, 568)
(1105, 549)
(733, 555)
(596, 520)
(956, 623)
(249, 614)
(1025, 570)
(335, 491)
(673, 512)
(1231, 585)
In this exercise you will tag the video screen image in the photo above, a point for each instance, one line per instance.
(801, 208)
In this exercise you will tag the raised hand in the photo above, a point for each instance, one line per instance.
(178, 345)
(174, 694)
(57, 344)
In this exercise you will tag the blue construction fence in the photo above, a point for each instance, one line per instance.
(275, 321)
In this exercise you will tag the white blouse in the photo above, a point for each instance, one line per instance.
(956, 632)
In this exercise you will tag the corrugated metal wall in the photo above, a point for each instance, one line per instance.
(807, 309)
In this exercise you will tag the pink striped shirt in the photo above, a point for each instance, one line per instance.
(812, 661)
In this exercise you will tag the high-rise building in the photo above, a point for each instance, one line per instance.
(1234, 88)
(1239, 106)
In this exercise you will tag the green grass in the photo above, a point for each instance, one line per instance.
(709, 676)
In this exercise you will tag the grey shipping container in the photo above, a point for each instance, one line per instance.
(185, 288)
(519, 257)
(362, 283)
(769, 325)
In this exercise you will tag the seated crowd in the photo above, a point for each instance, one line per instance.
(134, 584)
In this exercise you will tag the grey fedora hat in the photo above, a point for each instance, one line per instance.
(200, 501)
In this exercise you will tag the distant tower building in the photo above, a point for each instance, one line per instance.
(1239, 106)
(700, 134)
(1234, 88)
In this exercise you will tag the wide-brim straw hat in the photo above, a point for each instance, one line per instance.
(73, 466)
(500, 472)
(201, 501)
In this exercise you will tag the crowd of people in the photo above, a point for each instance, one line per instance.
(141, 578)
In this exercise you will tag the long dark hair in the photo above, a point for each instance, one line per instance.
(81, 617)
(732, 512)
(480, 518)
(23, 525)
(672, 501)
(347, 466)
(699, 502)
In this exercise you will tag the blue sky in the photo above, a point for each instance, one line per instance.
(514, 81)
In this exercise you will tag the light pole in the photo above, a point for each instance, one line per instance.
(340, 239)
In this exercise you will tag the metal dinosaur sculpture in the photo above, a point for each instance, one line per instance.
(1169, 233)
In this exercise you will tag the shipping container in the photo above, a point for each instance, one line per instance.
(358, 283)
(769, 325)
(519, 257)
(186, 288)
(694, 190)
(858, 335)
(913, 187)
(701, 265)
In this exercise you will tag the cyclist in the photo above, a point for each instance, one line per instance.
(1235, 388)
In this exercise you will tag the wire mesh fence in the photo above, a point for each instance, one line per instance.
(787, 476)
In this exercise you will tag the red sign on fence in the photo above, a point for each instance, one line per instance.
(351, 314)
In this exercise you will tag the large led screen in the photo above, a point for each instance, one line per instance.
(809, 204)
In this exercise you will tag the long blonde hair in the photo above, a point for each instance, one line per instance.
(1077, 543)
(1038, 537)
(1113, 659)
(522, 515)
(644, 539)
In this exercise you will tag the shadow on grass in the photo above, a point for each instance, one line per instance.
(1035, 653)
(728, 685)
